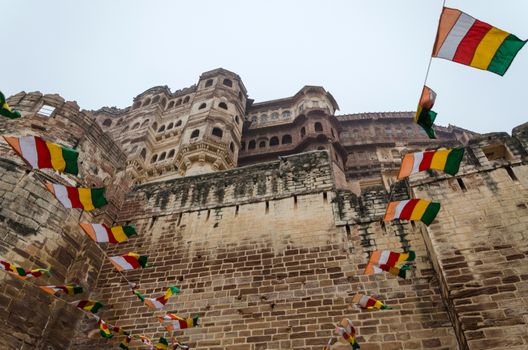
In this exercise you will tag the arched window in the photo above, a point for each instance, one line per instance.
(303, 131)
(136, 126)
(156, 99)
(162, 128)
(163, 102)
(162, 157)
(145, 122)
(222, 105)
(178, 123)
(186, 99)
(170, 126)
(228, 82)
(251, 144)
(209, 83)
(195, 133)
(262, 144)
(107, 122)
(274, 116)
(286, 139)
(179, 102)
(136, 105)
(171, 104)
(154, 158)
(286, 114)
(274, 141)
(171, 154)
(143, 154)
(242, 145)
(318, 127)
(202, 106)
(237, 120)
(232, 147)
(217, 132)
(147, 102)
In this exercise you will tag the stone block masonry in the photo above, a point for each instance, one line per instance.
(479, 243)
(37, 232)
(266, 267)
(269, 255)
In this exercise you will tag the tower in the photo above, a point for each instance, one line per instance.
(211, 138)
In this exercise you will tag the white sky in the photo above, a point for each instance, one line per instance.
(372, 55)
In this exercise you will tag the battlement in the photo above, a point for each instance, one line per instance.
(299, 174)
(269, 255)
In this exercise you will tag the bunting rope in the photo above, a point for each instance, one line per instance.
(460, 38)
(42, 177)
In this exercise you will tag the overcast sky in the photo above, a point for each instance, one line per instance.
(372, 55)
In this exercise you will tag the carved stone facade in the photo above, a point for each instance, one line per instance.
(268, 243)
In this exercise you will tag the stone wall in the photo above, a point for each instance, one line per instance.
(479, 242)
(268, 255)
(36, 231)
(257, 254)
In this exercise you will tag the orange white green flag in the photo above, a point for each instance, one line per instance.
(21, 272)
(368, 302)
(346, 330)
(177, 322)
(70, 289)
(389, 261)
(101, 233)
(5, 110)
(424, 115)
(159, 302)
(412, 209)
(103, 329)
(446, 160)
(466, 40)
(78, 197)
(41, 154)
(129, 261)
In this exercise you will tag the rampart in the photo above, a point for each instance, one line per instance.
(37, 232)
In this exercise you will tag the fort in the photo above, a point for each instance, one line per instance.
(264, 215)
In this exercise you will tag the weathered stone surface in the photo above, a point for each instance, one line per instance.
(269, 255)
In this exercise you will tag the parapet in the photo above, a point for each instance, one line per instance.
(289, 176)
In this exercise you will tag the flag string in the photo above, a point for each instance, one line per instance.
(41, 176)
(432, 49)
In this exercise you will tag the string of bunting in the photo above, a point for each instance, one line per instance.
(40, 154)
(460, 38)
(463, 39)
